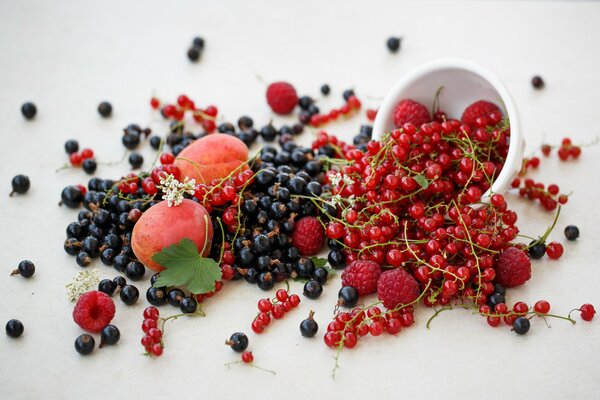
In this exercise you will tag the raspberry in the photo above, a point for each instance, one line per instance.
(93, 311)
(397, 287)
(308, 236)
(411, 111)
(282, 97)
(478, 109)
(513, 267)
(362, 275)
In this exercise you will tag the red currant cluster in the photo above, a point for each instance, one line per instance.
(153, 336)
(348, 327)
(352, 105)
(225, 193)
(177, 111)
(76, 159)
(548, 197)
(276, 308)
(540, 309)
(566, 150)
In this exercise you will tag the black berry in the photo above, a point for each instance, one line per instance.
(537, 250)
(71, 146)
(348, 296)
(20, 184)
(14, 328)
(521, 325)
(571, 232)
(393, 44)
(313, 289)
(309, 327)
(105, 109)
(26, 269)
(85, 344)
(28, 110)
(129, 294)
(110, 335)
(238, 342)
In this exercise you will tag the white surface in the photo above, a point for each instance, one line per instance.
(464, 82)
(69, 56)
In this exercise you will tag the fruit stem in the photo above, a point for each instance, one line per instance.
(547, 233)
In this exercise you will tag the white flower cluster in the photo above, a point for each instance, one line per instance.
(336, 178)
(83, 282)
(174, 190)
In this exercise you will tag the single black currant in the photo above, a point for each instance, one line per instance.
(129, 294)
(193, 54)
(28, 110)
(135, 270)
(320, 275)
(348, 296)
(498, 288)
(245, 123)
(26, 269)
(155, 142)
(71, 146)
(20, 184)
(121, 261)
(198, 42)
(313, 289)
(571, 232)
(71, 197)
(188, 305)
(537, 82)
(495, 299)
(136, 160)
(305, 267)
(89, 165)
(238, 342)
(156, 296)
(105, 109)
(83, 259)
(336, 259)
(268, 133)
(120, 281)
(325, 89)
(85, 344)
(14, 328)
(110, 335)
(309, 327)
(107, 286)
(521, 325)
(130, 141)
(72, 246)
(174, 297)
(393, 44)
(347, 94)
(265, 281)
(537, 249)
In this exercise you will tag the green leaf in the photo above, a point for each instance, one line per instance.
(422, 181)
(185, 266)
(318, 261)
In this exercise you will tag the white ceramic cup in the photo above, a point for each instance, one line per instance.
(464, 83)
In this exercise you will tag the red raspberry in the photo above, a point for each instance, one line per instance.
(282, 97)
(410, 111)
(308, 236)
(513, 267)
(397, 287)
(93, 311)
(478, 109)
(362, 275)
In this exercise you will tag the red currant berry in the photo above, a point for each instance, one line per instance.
(554, 250)
(587, 312)
(247, 357)
(151, 313)
(281, 295)
(542, 307)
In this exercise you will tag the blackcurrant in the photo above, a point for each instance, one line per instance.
(20, 184)
(28, 110)
(198, 42)
(26, 269)
(521, 325)
(136, 160)
(336, 259)
(155, 142)
(129, 294)
(245, 122)
(85, 344)
(320, 275)
(305, 267)
(309, 327)
(107, 286)
(110, 335)
(325, 89)
(313, 289)
(348, 296)
(72, 246)
(120, 281)
(105, 109)
(188, 305)
(14, 328)
(498, 288)
(347, 94)
(156, 296)
(238, 342)
(495, 299)
(537, 82)
(130, 141)
(71, 146)
(71, 197)
(393, 44)
(83, 259)
(89, 165)
(571, 232)
(174, 297)
(135, 270)
(537, 249)
(268, 133)
(193, 54)
(265, 281)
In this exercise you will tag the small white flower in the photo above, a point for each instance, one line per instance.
(335, 178)
(348, 180)
(174, 190)
(83, 282)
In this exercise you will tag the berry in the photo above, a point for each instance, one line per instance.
(537, 249)
(174, 297)
(107, 286)
(105, 109)
(478, 109)
(71, 197)
(198, 42)
(282, 97)
(110, 335)
(193, 54)
(348, 296)
(89, 166)
(14, 328)
(136, 160)
(410, 111)
(247, 357)
(238, 342)
(71, 146)
(397, 287)
(521, 325)
(129, 294)
(120, 281)
(537, 82)
(156, 296)
(554, 250)
(308, 236)
(130, 141)
(393, 44)
(325, 89)
(309, 327)
(587, 312)
(282, 295)
(26, 269)
(135, 270)
(362, 275)
(541, 307)
(336, 259)
(513, 267)
(188, 305)
(571, 232)
(85, 344)
(28, 110)
(93, 311)
(313, 289)
(20, 184)
(151, 313)
(320, 275)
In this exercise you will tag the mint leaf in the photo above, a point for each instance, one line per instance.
(184, 266)
(318, 261)
(422, 181)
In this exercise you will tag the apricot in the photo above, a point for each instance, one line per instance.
(214, 156)
(162, 226)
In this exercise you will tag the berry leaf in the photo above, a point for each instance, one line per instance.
(318, 261)
(422, 181)
(185, 266)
